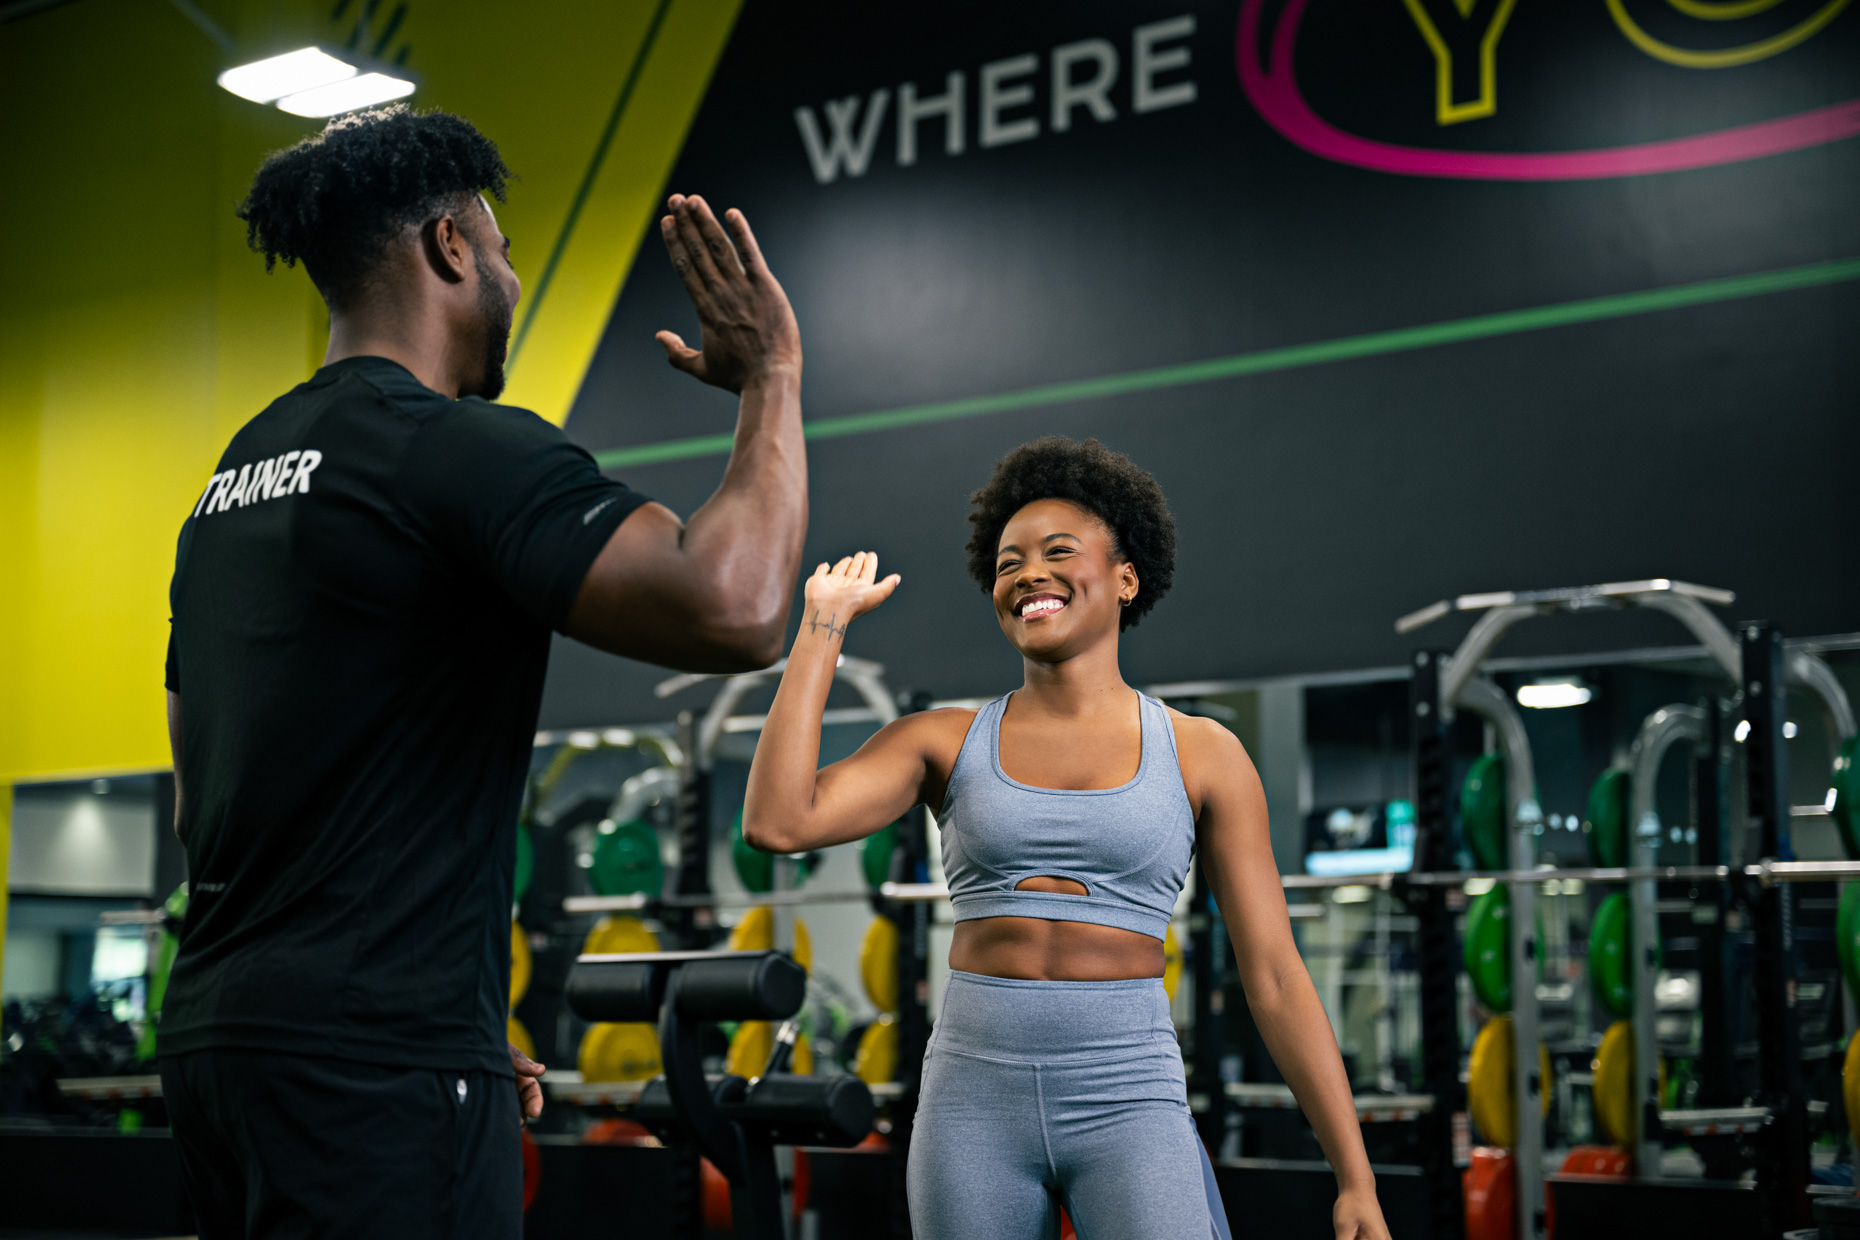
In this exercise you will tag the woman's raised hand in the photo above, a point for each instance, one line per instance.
(837, 595)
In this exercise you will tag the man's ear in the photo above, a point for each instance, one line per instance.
(446, 248)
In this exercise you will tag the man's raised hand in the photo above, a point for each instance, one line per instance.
(748, 328)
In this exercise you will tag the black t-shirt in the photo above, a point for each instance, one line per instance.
(362, 603)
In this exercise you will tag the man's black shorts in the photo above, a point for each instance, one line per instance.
(277, 1145)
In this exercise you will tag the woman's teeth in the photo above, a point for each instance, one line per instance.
(1041, 607)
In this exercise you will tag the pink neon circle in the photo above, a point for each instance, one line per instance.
(1274, 92)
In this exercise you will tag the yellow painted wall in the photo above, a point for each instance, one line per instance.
(137, 332)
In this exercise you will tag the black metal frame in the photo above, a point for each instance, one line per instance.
(1207, 958)
(910, 861)
(1783, 1156)
(1437, 947)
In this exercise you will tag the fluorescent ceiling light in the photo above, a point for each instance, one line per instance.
(346, 95)
(273, 78)
(1549, 694)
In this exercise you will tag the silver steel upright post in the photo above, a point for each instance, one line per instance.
(1527, 1081)
(1657, 734)
(1487, 700)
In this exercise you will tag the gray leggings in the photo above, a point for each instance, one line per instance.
(1041, 1094)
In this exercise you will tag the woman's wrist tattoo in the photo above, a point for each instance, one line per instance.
(830, 625)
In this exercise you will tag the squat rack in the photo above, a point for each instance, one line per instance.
(1755, 660)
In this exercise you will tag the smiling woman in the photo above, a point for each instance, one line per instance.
(1107, 485)
(1070, 811)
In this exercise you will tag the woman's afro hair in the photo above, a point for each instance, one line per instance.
(1107, 484)
(334, 201)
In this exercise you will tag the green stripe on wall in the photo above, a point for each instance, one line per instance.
(1399, 340)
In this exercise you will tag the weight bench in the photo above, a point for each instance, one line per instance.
(735, 1123)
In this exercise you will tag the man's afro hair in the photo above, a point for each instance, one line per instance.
(334, 201)
(1107, 484)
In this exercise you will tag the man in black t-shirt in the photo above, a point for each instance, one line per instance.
(362, 605)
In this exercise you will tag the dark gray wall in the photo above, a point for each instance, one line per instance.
(1711, 443)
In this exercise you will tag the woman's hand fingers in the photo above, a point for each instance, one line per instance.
(853, 579)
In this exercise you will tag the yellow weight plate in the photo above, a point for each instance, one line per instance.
(878, 963)
(749, 1048)
(1489, 1079)
(1488, 1083)
(519, 964)
(1545, 1077)
(1614, 1084)
(519, 1037)
(803, 946)
(876, 1060)
(612, 935)
(801, 1063)
(1172, 963)
(587, 1055)
(1850, 1086)
(619, 1052)
(755, 932)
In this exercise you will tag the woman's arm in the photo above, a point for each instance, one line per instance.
(793, 806)
(1236, 851)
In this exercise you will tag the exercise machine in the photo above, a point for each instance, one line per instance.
(735, 1122)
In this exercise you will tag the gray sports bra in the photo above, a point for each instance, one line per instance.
(1129, 847)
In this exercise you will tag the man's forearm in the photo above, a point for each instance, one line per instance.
(748, 535)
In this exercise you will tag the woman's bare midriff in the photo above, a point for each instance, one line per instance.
(1053, 951)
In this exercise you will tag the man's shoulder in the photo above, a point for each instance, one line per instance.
(380, 379)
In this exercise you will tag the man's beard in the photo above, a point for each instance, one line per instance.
(494, 311)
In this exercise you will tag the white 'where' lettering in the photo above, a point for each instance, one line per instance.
(843, 151)
(1008, 108)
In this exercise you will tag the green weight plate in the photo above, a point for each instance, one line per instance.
(1847, 937)
(1482, 812)
(626, 861)
(1845, 780)
(1488, 948)
(526, 860)
(875, 856)
(1610, 963)
(754, 867)
(1604, 821)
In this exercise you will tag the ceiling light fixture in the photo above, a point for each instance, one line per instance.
(319, 81)
(1550, 694)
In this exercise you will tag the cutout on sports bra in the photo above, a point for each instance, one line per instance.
(1055, 886)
